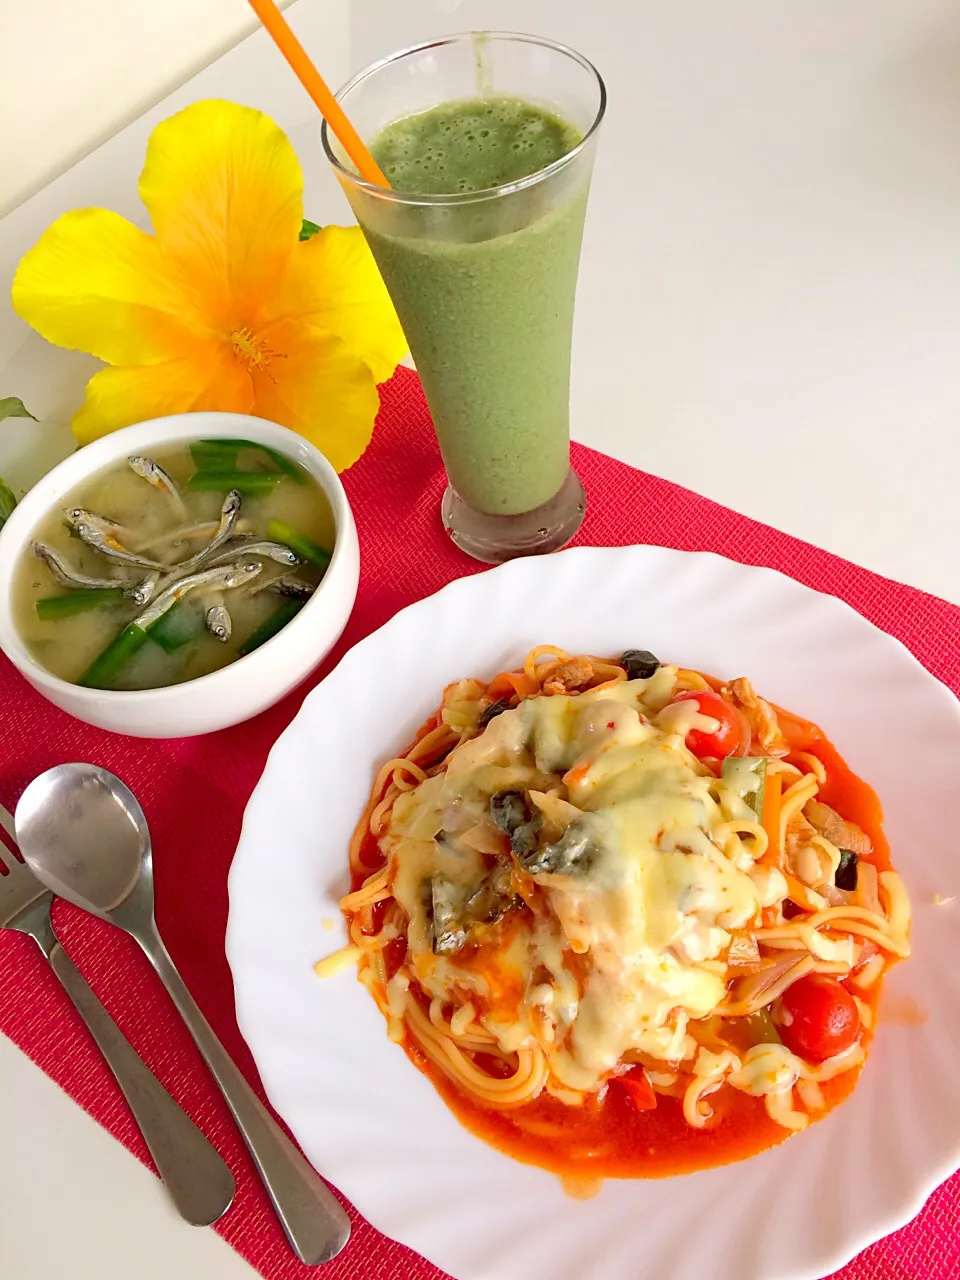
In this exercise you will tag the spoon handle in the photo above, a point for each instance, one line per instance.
(315, 1222)
(199, 1183)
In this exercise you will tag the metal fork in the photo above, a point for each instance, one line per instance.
(200, 1184)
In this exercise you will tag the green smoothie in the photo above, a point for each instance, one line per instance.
(485, 288)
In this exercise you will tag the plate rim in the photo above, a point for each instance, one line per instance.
(909, 1204)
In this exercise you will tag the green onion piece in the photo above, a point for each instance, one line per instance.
(747, 776)
(298, 543)
(50, 608)
(214, 455)
(759, 1028)
(177, 627)
(250, 483)
(283, 463)
(267, 630)
(104, 670)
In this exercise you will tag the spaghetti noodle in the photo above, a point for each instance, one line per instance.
(583, 891)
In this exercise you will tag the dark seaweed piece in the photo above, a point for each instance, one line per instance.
(639, 664)
(846, 877)
(494, 709)
(513, 813)
(572, 855)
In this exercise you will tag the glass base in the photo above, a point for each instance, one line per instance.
(494, 539)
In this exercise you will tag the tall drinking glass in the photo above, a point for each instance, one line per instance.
(484, 279)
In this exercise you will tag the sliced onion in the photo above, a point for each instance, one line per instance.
(868, 888)
(743, 951)
(837, 897)
(750, 989)
(485, 838)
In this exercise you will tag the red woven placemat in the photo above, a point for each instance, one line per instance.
(194, 791)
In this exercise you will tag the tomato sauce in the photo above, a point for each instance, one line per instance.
(608, 1137)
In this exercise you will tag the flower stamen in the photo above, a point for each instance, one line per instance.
(251, 351)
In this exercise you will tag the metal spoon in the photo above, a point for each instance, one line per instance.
(84, 836)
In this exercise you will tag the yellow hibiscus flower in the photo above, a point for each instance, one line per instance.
(223, 307)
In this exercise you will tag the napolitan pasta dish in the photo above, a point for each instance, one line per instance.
(631, 920)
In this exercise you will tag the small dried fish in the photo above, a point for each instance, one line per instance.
(453, 911)
(275, 551)
(70, 577)
(224, 578)
(492, 898)
(65, 573)
(449, 934)
(79, 515)
(155, 475)
(102, 536)
(229, 513)
(143, 593)
(218, 622)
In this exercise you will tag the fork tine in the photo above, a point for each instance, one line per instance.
(6, 825)
(19, 887)
(8, 846)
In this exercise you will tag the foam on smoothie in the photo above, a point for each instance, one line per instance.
(471, 145)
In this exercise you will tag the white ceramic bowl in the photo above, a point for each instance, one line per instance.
(246, 686)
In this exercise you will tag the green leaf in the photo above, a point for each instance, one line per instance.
(11, 407)
(308, 229)
(7, 502)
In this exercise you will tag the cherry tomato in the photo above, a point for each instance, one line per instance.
(730, 739)
(824, 1019)
(639, 1089)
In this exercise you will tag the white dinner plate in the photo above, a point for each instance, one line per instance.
(374, 1126)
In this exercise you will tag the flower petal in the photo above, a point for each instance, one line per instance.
(94, 282)
(320, 388)
(333, 283)
(209, 378)
(225, 191)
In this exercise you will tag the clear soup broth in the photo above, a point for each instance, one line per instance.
(162, 569)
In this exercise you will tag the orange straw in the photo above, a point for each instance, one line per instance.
(314, 83)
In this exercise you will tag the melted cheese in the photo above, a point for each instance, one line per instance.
(620, 952)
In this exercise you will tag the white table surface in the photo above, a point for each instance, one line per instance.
(768, 313)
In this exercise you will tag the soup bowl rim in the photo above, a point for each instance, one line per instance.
(83, 464)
